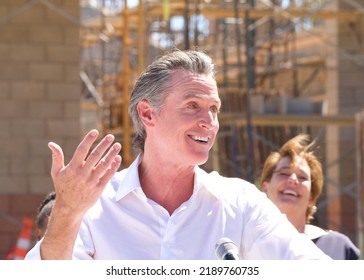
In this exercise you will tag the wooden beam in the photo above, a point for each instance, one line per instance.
(256, 13)
(286, 120)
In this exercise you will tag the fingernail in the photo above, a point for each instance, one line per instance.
(117, 146)
(109, 138)
(93, 132)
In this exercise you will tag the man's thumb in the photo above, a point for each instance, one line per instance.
(57, 158)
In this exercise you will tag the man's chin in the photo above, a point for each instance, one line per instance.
(202, 161)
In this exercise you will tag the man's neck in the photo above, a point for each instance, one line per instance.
(169, 188)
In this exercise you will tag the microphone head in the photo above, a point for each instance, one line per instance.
(226, 248)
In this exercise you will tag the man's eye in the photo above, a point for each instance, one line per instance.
(214, 109)
(192, 106)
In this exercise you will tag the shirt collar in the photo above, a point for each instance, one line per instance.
(127, 180)
(206, 180)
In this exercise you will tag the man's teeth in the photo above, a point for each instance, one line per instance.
(200, 138)
(289, 192)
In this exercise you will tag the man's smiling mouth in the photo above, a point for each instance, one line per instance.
(200, 138)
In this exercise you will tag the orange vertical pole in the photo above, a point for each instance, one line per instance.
(126, 143)
(141, 37)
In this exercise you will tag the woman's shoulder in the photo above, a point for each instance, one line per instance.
(334, 243)
(314, 232)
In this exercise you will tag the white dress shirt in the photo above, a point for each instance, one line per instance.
(125, 224)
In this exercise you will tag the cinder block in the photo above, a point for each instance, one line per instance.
(4, 90)
(72, 36)
(60, 128)
(72, 73)
(63, 54)
(4, 9)
(13, 109)
(13, 71)
(30, 90)
(13, 147)
(38, 147)
(64, 91)
(37, 166)
(13, 185)
(46, 110)
(11, 33)
(5, 51)
(4, 128)
(45, 72)
(28, 128)
(4, 203)
(46, 34)
(41, 184)
(28, 53)
(72, 111)
(4, 166)
(18, 166)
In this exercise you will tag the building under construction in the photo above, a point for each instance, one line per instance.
(284, 67)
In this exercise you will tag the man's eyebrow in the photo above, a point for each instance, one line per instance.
(199, 96)
(193, 95)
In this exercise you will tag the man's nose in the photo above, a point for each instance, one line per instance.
(208, 120)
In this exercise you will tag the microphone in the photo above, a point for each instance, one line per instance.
(225, 249)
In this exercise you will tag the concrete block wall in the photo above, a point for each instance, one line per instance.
(39, 102)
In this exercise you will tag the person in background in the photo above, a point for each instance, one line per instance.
(163, 206)
(43, 215)
(292, 178)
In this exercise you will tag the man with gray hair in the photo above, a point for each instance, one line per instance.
(164, 206)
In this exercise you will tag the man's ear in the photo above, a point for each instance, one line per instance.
(145, 112)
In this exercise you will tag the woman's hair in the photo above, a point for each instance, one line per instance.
(302, 147)
(153, 84)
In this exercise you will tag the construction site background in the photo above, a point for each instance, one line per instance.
(284, 67)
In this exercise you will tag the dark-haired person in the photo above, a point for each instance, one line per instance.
(44, 212)
(292, 178)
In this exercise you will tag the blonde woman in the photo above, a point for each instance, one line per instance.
(292, 178)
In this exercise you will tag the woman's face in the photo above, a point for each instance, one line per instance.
(290, 186)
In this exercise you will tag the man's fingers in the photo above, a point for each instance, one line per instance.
(97, 153)
(84, 147)
(107, 161)
(57, 158)
(110, 172)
